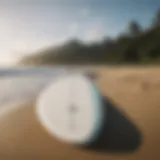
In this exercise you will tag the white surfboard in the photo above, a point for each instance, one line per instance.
(71, 109)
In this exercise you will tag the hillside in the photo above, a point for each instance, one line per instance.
(141, 48)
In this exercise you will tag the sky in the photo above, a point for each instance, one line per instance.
(29, 25)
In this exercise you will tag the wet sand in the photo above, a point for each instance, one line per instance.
(133, 91)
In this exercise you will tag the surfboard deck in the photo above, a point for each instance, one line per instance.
(71, 109)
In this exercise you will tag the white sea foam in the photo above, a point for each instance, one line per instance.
(21, 84)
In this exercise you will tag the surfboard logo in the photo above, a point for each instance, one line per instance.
(73, 111)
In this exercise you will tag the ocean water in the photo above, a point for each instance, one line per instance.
(18, 85)
(22, 84)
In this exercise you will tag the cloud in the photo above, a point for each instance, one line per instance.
(84, 13)
(94, 34)
(73, 29)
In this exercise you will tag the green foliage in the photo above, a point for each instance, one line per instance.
(134, 28)
(136, 47)
(156, 21)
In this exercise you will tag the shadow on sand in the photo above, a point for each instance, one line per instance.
(118, 135)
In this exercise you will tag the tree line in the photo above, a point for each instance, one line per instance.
(135, 46)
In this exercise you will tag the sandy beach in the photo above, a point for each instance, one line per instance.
(133, 91)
